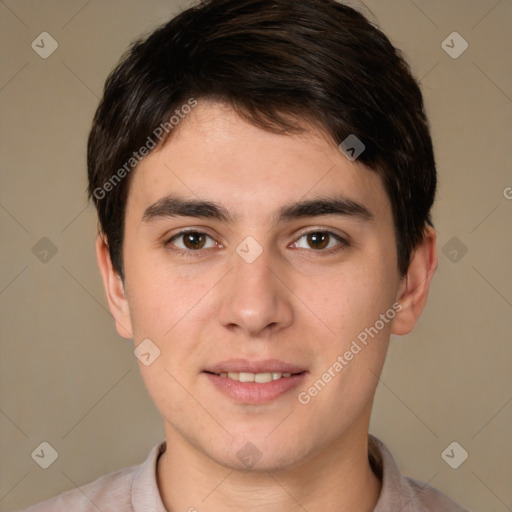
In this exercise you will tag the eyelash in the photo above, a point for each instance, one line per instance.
(190, 253)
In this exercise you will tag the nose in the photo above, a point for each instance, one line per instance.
(255, 300)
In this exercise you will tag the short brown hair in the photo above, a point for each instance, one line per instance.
(277, 63)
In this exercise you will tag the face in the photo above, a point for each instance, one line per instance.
(257, 255)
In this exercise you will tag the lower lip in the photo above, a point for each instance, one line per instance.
(255, 393)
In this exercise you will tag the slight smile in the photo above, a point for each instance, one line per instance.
(255, 382)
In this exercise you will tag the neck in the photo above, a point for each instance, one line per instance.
(341, 474)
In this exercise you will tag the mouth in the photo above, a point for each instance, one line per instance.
(260, 378)
(243, 370)
(255, 382)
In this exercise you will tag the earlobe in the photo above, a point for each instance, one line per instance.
(114, 289)
(414, 287)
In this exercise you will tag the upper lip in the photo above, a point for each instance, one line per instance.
(244, 365)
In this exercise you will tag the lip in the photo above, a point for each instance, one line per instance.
(254, 393)
(244, 365)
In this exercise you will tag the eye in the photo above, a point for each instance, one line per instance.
(320, 241)
(191, 241)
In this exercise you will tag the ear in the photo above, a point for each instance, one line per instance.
(413, 289)
(114, 289)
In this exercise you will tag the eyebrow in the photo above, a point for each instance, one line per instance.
(176, 206)
(333, 205)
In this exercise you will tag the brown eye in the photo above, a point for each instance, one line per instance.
(318, 240)
(324, 242)
(191, 241)
(194, 240)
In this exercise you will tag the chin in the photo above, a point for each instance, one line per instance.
(274, 462)
(260, 453)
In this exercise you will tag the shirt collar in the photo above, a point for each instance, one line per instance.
(146, 495)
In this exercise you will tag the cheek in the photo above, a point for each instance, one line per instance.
(374, 281)
(152, 305)
(355, 296)
(154, 293)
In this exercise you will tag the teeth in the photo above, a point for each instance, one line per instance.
(255, 377)
(262, 377)
(246, 377)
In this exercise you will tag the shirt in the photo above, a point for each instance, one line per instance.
(135, 489)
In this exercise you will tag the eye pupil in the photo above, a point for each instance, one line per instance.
(194, 240)
(318, 240)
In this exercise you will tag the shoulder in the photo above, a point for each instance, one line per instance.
(108, 493)
(402, 493)
(424, 498)
(124, 490)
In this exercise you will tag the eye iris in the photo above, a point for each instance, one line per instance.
(194, 240)
(318, 240)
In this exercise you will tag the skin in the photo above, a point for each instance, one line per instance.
(296, 302)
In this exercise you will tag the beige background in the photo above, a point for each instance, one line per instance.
(68, 379)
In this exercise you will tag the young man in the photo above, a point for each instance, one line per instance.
(263, 174)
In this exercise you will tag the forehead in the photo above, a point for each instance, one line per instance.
(213, 154)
